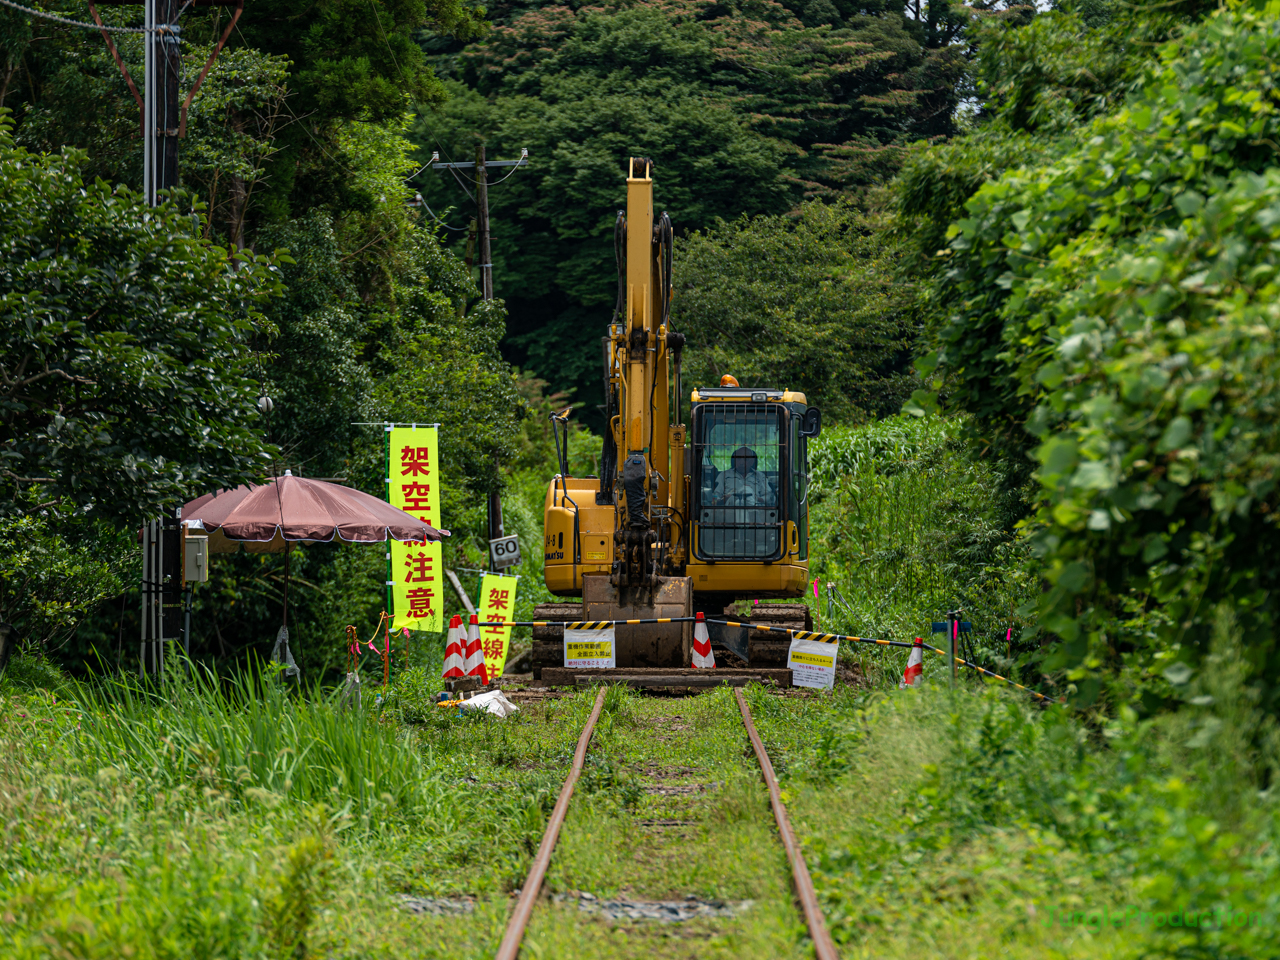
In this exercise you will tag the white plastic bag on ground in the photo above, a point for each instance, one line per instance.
(492, 702)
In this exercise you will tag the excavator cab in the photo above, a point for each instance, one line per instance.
(749, 476)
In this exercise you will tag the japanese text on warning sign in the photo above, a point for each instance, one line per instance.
(497, 602)
(589, 649)
(813, 663)
(416, 568)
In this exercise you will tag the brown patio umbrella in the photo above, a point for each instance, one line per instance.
(268, 518)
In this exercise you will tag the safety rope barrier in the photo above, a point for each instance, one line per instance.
(790, 631)
(837, 637)
(354, 645)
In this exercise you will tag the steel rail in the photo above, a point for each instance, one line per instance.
(509, 949)
(823, 947)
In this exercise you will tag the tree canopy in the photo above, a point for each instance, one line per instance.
(745, 107)
(125, 366)
(809, 303)
(1110, 303)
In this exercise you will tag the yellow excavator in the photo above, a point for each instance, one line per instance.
(708, 517)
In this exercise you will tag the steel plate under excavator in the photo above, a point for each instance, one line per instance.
(666, 678)
(644, 644)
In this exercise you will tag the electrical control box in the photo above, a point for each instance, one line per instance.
(195, 552)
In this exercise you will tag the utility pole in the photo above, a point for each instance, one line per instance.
(482, 223)
(164, 111)
(164, 121)
(481, 227)
(481, 198)
(486, 293)
(163, 99)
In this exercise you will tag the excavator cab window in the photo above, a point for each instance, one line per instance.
(742, 479)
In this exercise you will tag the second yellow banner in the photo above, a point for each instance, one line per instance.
(497, 602)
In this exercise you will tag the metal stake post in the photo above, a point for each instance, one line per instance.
(953, 642)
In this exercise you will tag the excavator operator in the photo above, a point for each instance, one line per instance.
(743, 485)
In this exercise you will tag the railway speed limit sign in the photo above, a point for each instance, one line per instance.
(504, 552)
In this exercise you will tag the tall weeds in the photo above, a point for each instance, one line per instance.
(908, 525)
(251, 734)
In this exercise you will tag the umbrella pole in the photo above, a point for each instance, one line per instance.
(284, 619)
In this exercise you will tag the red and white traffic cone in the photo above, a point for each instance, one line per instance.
(473, 665)
(702, 655)
(912, 676)
(453, 650)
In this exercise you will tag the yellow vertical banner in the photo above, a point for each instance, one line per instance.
(417, 569)
(497, 602)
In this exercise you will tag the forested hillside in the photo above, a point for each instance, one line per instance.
(746, 108)
(296, 152)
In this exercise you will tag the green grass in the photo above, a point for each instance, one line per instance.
(935, 823)
(955, 823)
(238, 820)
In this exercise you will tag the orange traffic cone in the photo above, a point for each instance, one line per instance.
(915, 666)
(703, 657)
(453, 651)
(473, 665)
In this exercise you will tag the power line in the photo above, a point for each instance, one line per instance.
(506, 178)
(79, 23)
(437, 219)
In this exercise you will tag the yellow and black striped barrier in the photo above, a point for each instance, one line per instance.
(985, 672)
(810, 635)
(837, 637)
(581, 624)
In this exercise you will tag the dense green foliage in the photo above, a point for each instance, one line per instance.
(744, 107)
(51, 575)
(294, 142)
(1113, 300)
(907, 524)
(124, 360)
(806, 304)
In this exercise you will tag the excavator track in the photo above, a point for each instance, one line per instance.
(763, 649)
(548, 641)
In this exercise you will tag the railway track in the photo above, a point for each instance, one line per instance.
(824, 949)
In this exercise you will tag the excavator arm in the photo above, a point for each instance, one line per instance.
(648, 485)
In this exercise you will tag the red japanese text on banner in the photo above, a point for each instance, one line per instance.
(497, 602)
(414, 478)
(417, 572)
(417, 569)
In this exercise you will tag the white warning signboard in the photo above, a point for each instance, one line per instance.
(813, 663)
(589, 649)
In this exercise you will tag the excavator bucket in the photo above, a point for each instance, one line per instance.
(644, 644)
